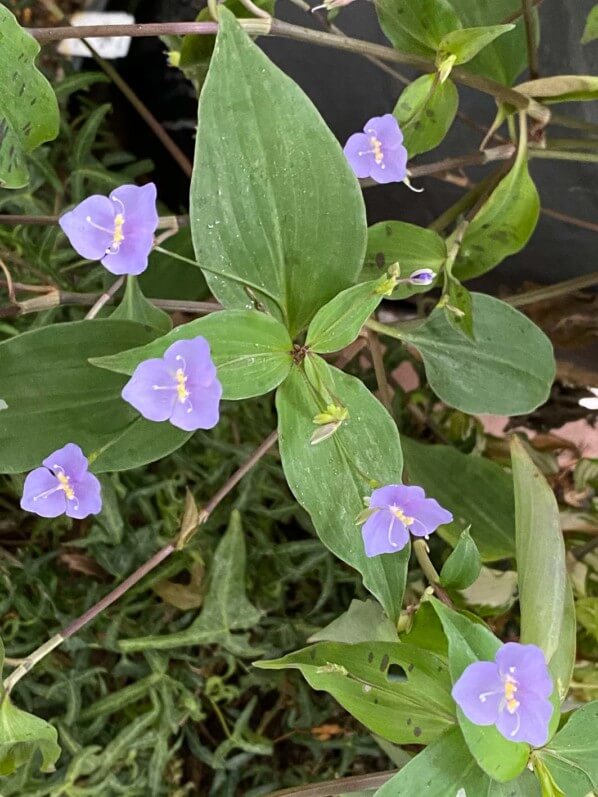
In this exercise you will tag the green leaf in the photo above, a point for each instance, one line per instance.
(504, 223)
(463, 565)
(417, 26)
(412, 247)
(338, 323)
(168, 278)
(508, 370)
(21, 736)
(55, 396)
(28, 107)
(225, 608)
(561, 88)
(396, 690)
(251, 350)
(540, 554)
(562, 662)
(587, 614)
(364, 621)
(426, 110)
(296, 232)
(135, 307)
(470, 642)
(458, 305)
(465, 44)
(447, 769)
(590, 32)
(330, 479)
(505, 58)
(572, 755)
(479, 494)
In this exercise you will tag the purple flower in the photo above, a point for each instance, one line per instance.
(378, 152)
(510, 692)
(181, 387)
(118, 230)
(63, 486)
(396, 510)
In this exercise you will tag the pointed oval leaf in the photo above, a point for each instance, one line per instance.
(504, 223)
(540, 555)
(55, 396)
(135, 307)
(398, 691)
(417, 26)
(447, 769)
(273, 199)
(465, 44)
(507, 370)
(470, 642)
(28, 107)
(251, 350)
(22, 735)
(561, 88)
(338, 323)
(410, 246)
(330, 479)
(463, 565)
(426, 110)
(590, 32)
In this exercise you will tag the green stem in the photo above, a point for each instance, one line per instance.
(553, 154)
(231, 277)
(384, 329)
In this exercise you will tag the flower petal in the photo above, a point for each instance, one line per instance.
(392, 168)
(195, 354)
(429, 513)
(386, 129)
(88, 498)
(478, 692)
(529, 723)
(526, 663)
(358, 152)
(132, 255)
(70, 459)
(152, 390)
(141, 216)
(200, 411)
(78, 226)
(38, 482)
(383, 533)
(389, 495)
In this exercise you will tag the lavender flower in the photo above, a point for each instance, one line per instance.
(510, 692)
(396, 510)
(422, 276)
(378, 152)
(117, 230)
(63, 486)
(180, 387)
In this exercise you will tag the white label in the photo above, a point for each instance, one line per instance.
(108, 47)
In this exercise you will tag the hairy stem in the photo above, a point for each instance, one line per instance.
(71, 629)
(420, 549)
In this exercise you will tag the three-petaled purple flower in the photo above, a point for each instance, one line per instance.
(378, 152)
(180, 387)
(510, 692)
(396, 510)
(63, 486)
(117, 230)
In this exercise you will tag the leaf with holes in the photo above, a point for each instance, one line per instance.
(28, 108)
(425, 111)
(398, 691)
(295, 237)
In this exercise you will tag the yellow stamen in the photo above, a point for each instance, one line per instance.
(118, 237)
(181, 387)
(400, 515)
(510, 691)
(377, 149)
(65, 484)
